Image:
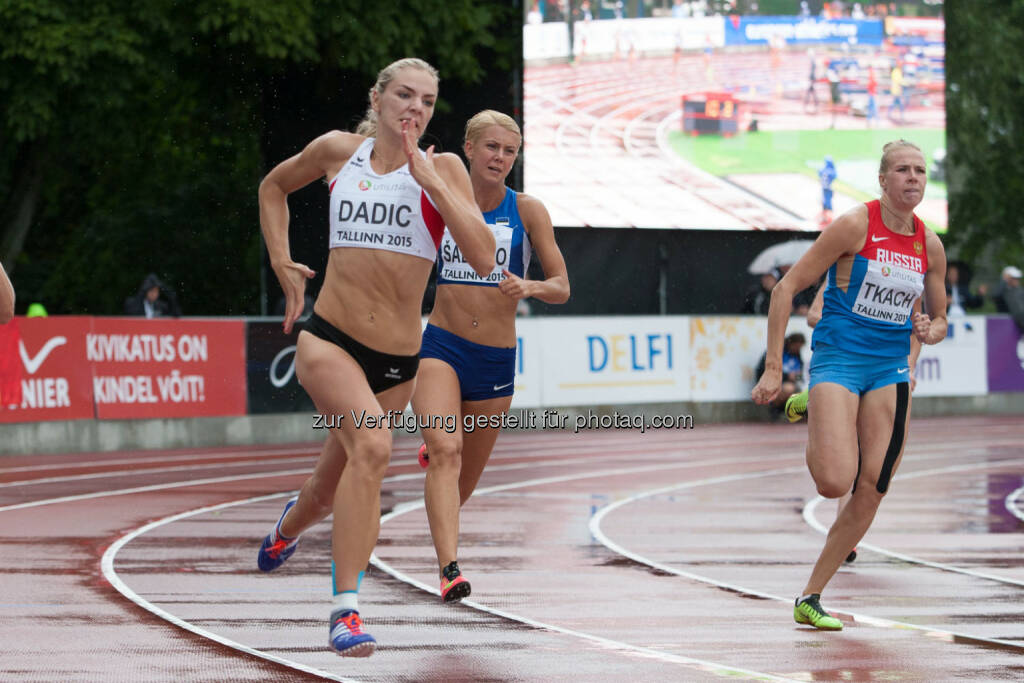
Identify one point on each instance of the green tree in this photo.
(133, 135)
(985, 122)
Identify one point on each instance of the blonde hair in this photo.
(483, 120)
(890, 149)
(368, 126)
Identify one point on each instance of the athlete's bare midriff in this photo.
(456, 307)
(375, 297)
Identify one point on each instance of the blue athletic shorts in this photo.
(858, 372)
(484, 371)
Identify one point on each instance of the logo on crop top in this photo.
(918, 248)
(886, 270)
(365, 185)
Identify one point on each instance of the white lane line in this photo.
(152, 487)
(1011, 503)
(595, 529)
(205, 455)
(110, 573)
(153, 470)
(704, 665)
(586, 452)
(812, 521)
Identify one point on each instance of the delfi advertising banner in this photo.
(529, 354)
(595, 360)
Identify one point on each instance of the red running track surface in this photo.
(669, 555)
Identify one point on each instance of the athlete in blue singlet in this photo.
(880, 259)
(358, 354)
(467, 363)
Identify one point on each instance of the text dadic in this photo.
(376, 213)
(172, 388)
(146, 348)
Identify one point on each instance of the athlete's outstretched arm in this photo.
(846, 235)
(327, 152)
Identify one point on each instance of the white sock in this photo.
(347, 600)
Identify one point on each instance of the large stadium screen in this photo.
(727, 122)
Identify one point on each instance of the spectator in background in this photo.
(792, 371)
(1009, 279)
(583, 12)
(679, 10)
(1014, 298)
(554, 11)
(758, 298)
(958, 293)
(6, 297)
(153, 300)
(534, 16)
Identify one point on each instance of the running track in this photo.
(598, 556)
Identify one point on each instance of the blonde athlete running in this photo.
(468, 358)
(880, 258)
(358, 354)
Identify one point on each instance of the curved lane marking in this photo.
(595, 529)
(812, 521)
(107, 565)
(110, 573)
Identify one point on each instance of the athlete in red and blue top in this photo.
(880, 258)
(869, 296)
(468, 359)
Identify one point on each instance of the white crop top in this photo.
(390, 212)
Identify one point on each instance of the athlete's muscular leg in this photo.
(832, 438)
(478, 444)
(439, 397)
(337, 385)
(881, 426)
(316, 498)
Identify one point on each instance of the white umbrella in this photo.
(778, 256)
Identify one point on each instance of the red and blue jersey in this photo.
(869, 296)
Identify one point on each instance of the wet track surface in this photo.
(596, 556)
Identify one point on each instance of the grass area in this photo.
(795, 151)
(855, 152)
